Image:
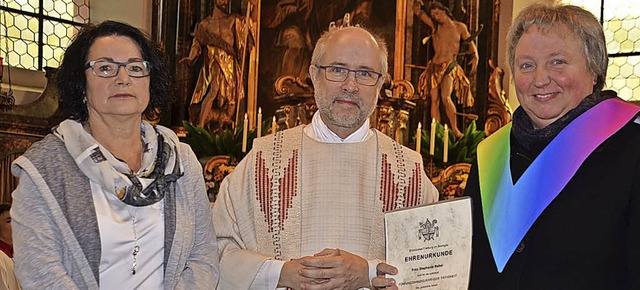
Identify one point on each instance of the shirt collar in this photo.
(320, 132)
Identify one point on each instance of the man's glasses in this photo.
(340, 74)
(108, 69)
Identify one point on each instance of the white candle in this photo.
(445, 154)
(274, 125)
(432, 137)
(259, 122)
(244, 133)
(418, 136)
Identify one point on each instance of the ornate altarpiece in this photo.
(279, 85)
(286, 30)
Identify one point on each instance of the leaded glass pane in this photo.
(621, 24)
(20, 40)
(57, 36)
(31, 6)
(72, 10)
(623, 76)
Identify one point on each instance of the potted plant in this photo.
(220, 152)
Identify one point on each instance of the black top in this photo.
(587, 238)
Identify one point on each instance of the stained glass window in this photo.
(36, 32)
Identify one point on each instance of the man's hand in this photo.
(381, 282)
(290, 275)
(335, 269)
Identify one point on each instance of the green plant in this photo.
(219, 152)
(463, 149)
(207, 144)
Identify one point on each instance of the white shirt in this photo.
(121, 228)
(320, 132)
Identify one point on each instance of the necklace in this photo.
(136, 246)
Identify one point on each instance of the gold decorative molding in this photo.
(400, 34)
(403, 89)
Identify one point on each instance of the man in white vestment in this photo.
(305, 208)
(8, 279)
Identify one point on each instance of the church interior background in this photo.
(270, 44)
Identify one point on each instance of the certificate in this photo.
(431, 245)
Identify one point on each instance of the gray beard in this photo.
(349, 121)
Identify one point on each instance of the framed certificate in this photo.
(431, 245)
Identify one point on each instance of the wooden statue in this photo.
(443, 76)
(219, 89)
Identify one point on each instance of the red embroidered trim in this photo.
(412, 190)
(263, 187)
(288, 188)
(389, 187)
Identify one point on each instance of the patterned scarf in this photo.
(160, 168)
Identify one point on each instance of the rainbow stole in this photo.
(510, 209)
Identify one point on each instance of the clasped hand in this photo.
(334, 269)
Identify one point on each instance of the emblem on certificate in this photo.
(431, 245)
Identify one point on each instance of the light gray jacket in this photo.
(55, 229)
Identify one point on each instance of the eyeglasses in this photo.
(108, 69)
(340, 74)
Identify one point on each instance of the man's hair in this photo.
(4, 207)
(437, 5)
(321, 45)
(580, 22)
(72, 81)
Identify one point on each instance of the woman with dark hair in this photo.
(108, 200)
